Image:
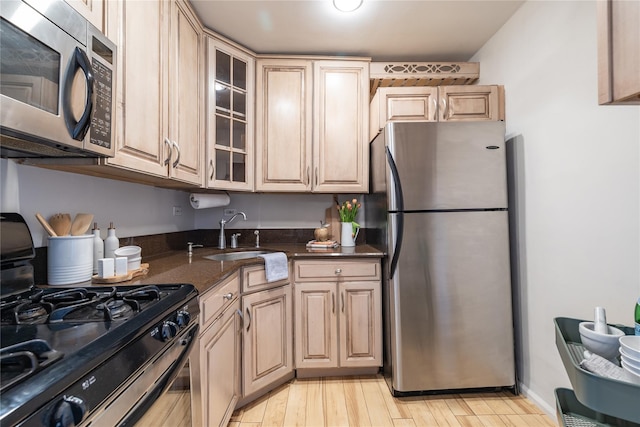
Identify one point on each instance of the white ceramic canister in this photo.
(69, 259)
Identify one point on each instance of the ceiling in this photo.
(385, 30)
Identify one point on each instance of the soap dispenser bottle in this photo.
(98, 247)
(111, 243)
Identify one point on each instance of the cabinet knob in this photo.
(338, 270)
(228, 296)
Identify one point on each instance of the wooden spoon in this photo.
(46, 225)
(61, 223)
(81, 224)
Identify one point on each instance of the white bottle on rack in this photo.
(98, 247)
(111, 243)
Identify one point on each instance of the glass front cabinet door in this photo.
(229, 117)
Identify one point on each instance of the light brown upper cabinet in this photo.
(230, 92)
(618, 52)
(436, 103)
(312, 125)
(158, 101)
(93, 10)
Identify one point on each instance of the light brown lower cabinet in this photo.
(215, 380)
(337, 315)
(267, 333)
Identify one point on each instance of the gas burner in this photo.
(32, 313)
(119, 309)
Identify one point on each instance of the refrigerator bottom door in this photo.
(450, 316)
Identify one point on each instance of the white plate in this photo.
(631, 345)
(631, 369)
(630, 357)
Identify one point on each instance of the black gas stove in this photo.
(90, 355)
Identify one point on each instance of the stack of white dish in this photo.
(69, 259)
(630, 354)
(133, 255)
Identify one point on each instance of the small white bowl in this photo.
(605, 345)
(129, 251)
(626, 354)
(631, 369)
(630, 362)
(631, 345)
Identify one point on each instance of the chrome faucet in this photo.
(222, 243)
(191, 246)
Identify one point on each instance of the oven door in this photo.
(141, 401)
(46, 82)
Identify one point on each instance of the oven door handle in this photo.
(78, 129)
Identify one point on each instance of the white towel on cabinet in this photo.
(276, 266)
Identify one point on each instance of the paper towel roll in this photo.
(204, 201)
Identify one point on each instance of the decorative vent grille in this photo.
(422, 68)
(403, 74)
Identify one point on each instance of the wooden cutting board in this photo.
(332, 218)
(144, 269)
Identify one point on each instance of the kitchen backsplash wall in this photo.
(275, 210)
(142, 210)
(133, 208)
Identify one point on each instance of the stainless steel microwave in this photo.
(57, 82)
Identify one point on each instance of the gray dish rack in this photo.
(595, 400)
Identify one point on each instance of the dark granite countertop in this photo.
(178, 267)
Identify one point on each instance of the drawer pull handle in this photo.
(338, 270)
(228, 296)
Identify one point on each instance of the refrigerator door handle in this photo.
(400, 212)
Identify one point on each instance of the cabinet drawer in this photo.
(214, 301)
(255, 279)
(333, 270)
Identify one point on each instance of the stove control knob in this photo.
(68, 412)
(183, 318)
(169, 330)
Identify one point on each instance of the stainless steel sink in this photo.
(234, 256)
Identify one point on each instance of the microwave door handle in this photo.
(78, 129)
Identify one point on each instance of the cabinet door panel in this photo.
(267, 336)
(220, 354)
(341, 105)
(360, 324)
(186, 95)
(316, 331)
(229, 117)
(283, 138)
(469, 103)
(141, 98)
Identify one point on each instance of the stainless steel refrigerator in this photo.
(438, 207)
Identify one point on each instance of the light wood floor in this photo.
(366, 401)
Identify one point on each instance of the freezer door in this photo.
(449, 312)
(449, 165)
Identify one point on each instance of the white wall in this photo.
(138, 210)
(134, 209)
(578, 181)
(275, 211)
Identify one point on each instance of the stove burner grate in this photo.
(77, 305)
(23, 359)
